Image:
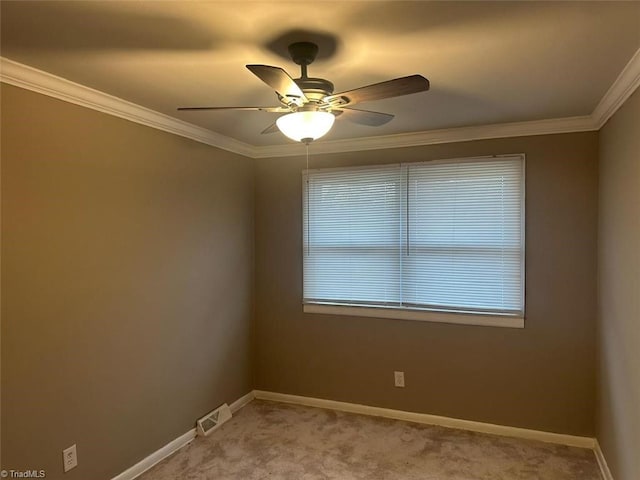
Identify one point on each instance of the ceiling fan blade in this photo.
(262, 109)
(273, 128)
(364, 117)
(279, 80)
(378, 91)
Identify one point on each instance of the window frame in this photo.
(415, 313)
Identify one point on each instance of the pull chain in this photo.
(308, 206)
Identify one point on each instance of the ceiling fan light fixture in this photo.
(305, 126)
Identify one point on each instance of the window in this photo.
(439, 240)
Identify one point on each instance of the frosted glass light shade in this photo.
(305, 125)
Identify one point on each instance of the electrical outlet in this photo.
(70, 458)
(399, 379)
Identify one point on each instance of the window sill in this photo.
(504, 321)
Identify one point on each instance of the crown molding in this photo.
(433, 137)
(38, 81)
(30, 78)
(620, 90)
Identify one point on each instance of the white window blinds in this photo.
(441, 235)
(352, 236)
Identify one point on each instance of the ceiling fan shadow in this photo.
(97, 26)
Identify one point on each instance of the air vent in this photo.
(213, 420)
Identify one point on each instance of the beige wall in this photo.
(127, 272)
(541, 377)
(618, 412)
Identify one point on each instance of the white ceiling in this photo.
(488, 62)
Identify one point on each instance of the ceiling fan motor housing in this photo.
(315, 88)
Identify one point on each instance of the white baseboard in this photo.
(602, 462)
(558, 438)
(157, 456)
(173, 446)
(242, 401)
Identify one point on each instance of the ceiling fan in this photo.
(309, 104)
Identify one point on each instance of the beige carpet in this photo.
(268, 440)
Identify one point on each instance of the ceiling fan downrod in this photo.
(303, 54)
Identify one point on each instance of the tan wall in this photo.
(127, 293)
(541, 377)
(127, 258)
(618, 412)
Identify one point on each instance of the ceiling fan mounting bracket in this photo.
(303, 53)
